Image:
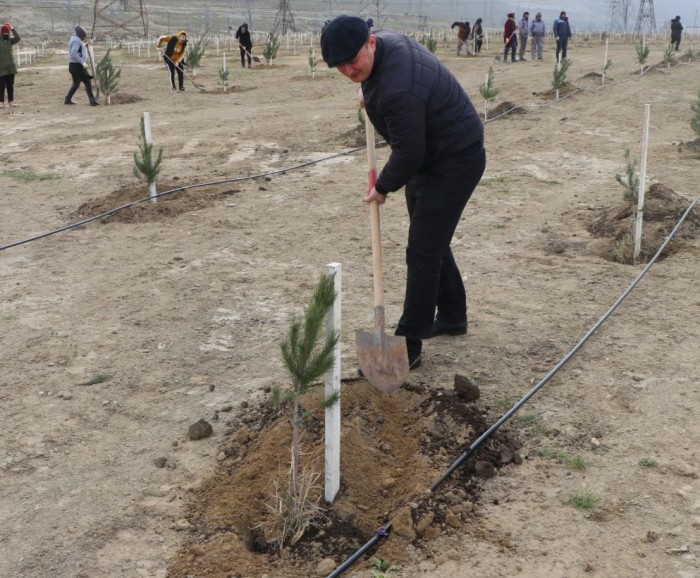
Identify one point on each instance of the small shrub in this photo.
(648, 463)
(429, 41)
(488, 92)
(608, 64)
(583, 499)
(559, 75)
(307, 354)
(669, 56)
(223, 77)
(630, 180)
(642, 55)
(194, 56)
(146, 166)
(695, 120)
(624, 249)
(271, 47)
(108, 76)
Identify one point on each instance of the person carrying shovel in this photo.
(245, 44)
(437, 154)
(77, 66)
(174, 55)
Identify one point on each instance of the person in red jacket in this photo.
(510, 41)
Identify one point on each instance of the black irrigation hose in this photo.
(171, 191)
(384, 530)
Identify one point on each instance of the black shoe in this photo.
(68, 102)
(443, 328)
(94, 103)
(182, 89)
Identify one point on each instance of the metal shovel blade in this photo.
(383, 358)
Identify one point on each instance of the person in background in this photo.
(463, 31)
(437, 154)
(8, 38)
(174, 56)
(676, 32)
(523, 30)
(510, 40)
(245, 43)
(537, 31)
(562, 33)
(477, 35)
(77, 66)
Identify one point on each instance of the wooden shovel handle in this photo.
(374, 215)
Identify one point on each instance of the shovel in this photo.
(197, 86)
(383, 358)
(255, 58)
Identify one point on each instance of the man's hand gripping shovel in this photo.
(383, 358)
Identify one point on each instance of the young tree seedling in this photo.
(147, 167)
(488, 92)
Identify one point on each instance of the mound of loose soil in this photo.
(124, 98)
(143, 210)
(568, 88)
(662, 210)
(355, 137)
(506, 108)
(393, 448)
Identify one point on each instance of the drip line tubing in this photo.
(384, 530)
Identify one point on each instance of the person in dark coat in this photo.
(8, 38)
(676, 32)
(245, 44)
(510, 40)
(77, 66)
(477, 35)
(437, 154)
(562, 33)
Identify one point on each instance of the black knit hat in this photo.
(342, 39)
(80, 32)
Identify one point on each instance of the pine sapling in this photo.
(488, 91)
(695, 120)
(669, 56)
(630, 181)
(194, 56)
(642, 55)
(559, 76)
(429, 41)
(223, 77)
(271, 47)
(307, 353)
(146, 167)
(108, 76)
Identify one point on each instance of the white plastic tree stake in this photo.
(332, 387)
(149, 141)
(642, 179)
(605, 61)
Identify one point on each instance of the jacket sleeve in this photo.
(404, 116)
(161, 40)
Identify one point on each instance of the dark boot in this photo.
(443, 328)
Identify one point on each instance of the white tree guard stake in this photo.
(605, 61)
(332, 387)
(642, 179)
(149, 141)
(217, 46)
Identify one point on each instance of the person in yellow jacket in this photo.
(174, 55)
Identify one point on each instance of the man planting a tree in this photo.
(437, 154)
(175, 47)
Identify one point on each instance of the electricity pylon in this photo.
(645, 16)
(129, 16)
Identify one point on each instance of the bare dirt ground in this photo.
(119, 334)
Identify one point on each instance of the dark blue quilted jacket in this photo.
(420, 109)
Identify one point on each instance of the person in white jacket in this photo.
(537, 32)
